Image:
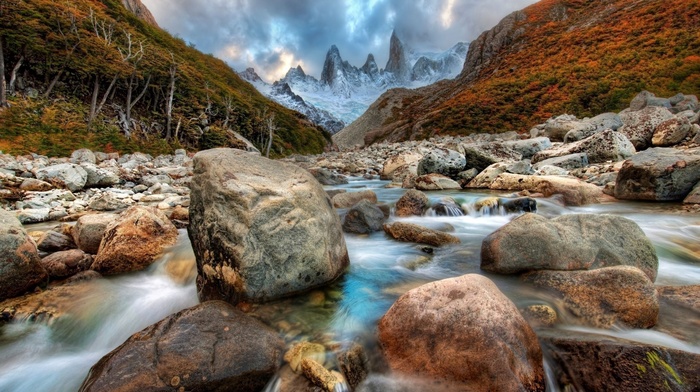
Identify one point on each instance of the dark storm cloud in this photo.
(273, 35)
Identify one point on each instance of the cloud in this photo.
(273, 35)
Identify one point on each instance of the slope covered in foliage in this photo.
(558, 56)
(89, 73)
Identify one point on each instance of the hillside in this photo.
(556, 56)
(95, 74)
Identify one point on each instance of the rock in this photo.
(640, 125)
(549, 170)
(518, 205)
(68, 175)
(405, 172)
(151, 180)
(409, 232)
(493, 349)
(180, 213)
(66, 263)
(694, 195)
(34, 185)
(568, 162)
(689, 102)
(488, 176)
(557, 128)
(349, 199)
(20, 265)
(302, 350)
(363, 218)
(521, 167)
(261, 229)
(435, 182)
(318, 375)
(53, 241)
(233, 352)
(671, 132)
(447, 206)
(532, 242)
(89, 230)
(134, 241)
(591, 362)
(603, 298)
(539, 316)
(639, 102)
(603, 146)
(34, 215)
(481, 156)
(413, 202)
(442, 161)
(661, 174)
(326, 177)
(596, 124)
(98, 177)
(354, 365)
(107, 202)
(396, 161)
(685, 296)
(83, 155)
(574, 191)
(529, 147)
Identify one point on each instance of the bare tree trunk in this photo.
(129, 103)
(169, 107)
(3, 91)
(270, 122)
(93, 103)
(13, 75)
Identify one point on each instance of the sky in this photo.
(274, 35)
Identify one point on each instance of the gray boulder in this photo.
(363, 218)
(83, 155)
(327, 177)
(607, 145)
(20, 265)
(568, 162)
(488, 176)
(481, 156)
(640, 125)
(442, 161)
(647, 99)
(435, 182)
(209, 347)
(529, 147)
(89, 230)
(660, 174)
(557, 128)
(261, 229)
(532, 242)
(71, 176)
(596, 124)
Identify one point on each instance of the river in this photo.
(56, 356)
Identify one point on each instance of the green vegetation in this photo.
(91, 74)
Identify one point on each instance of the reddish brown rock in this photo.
(408, 232)
(413, 202)
(349, 199)
(66, 263)
(20, 265)
(462, 330)
(134, 241)
(89, 229)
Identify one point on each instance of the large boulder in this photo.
(671, 132)
(66, 263)
(532, 242)
(413, 202)
(595, 363)
(89, 230)
(481, 156)
(442, 161)
(529, 147)
(349, 199)
(363, 218)
(68, 175)
(409, 232)
(435, 182)
(488, 176)
(209, 347)
(83, 155)
(593, 125)
(134, 241)
(98, 177)
(605, 297)
(574, 191)
(607, 145)
(568, 162)
(463, 331)
(661, 174)
(327, 177)
(640, 125)
(20, 265)
(394, 162)
(261, 229)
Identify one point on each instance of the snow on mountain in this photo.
(347, 91)
(281, 93)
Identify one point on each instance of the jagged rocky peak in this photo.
(370, 67)
(140, 10)
(250, 75)
(331, 66)
(398, 62)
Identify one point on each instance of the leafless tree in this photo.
(171, 94)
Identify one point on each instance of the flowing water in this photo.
(56, 355)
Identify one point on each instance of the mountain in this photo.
(347, 91)
(103, 75)
(282, 93)
(555, 56)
